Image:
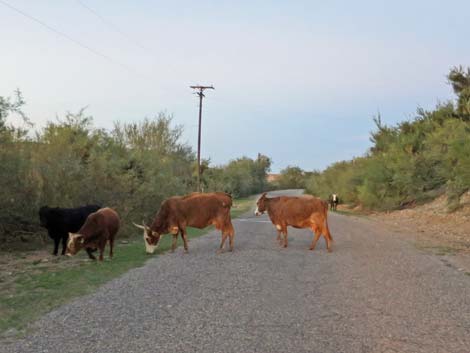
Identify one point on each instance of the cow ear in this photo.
(263, 195)
(79, 238)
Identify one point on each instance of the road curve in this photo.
(375, 293)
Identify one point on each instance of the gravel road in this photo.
(375, 293)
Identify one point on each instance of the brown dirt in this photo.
(17, 263)
(434, 225)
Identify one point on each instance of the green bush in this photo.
(291, 177)
(409, 162)
(240, 177)
(131, 168)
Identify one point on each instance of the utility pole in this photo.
(200, 93)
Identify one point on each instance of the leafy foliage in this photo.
(291, 177)
(409, 162)
(131, 168)
(240, 177)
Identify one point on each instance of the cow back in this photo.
(65, 219)
(293, 209)
(195, 210)
(100, 223)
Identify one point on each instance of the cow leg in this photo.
(328, 241)
(222, 243)
(185, 239)
(232, 240)
(315, 239)
(101, 252)
(328, 244)
(175, 241)
(90, 253)
(231, 233)
(56, 246)
(64, 244)
(284, 230)
(111, 244)
(280, 234)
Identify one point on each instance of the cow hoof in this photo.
(330, 251)
(311, 248)
(220, 251)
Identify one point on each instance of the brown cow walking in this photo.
(198, 210)
(99, 228)
(299, 212)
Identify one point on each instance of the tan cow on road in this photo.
(299, 212)
(198, 210)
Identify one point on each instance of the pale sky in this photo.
(298, 81)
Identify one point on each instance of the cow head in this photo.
(43, 216)
(261, 205)
(74, 244)
(151, 238)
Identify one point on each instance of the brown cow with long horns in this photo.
(299, 212)
(198, 210)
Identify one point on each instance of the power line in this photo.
(111, 25)
(66, 36)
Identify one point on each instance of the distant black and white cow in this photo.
(60, 221)
(334, 200)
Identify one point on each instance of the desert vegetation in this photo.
(410, 162)
(131, 168)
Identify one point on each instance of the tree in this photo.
(459, 78)
(292, 177)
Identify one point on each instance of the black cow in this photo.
(60, 221)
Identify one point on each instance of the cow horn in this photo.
(145, 225)
(139, 226)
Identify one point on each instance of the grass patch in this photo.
(242, 205)
(440, 250)
(350, 213)
(37, 290)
